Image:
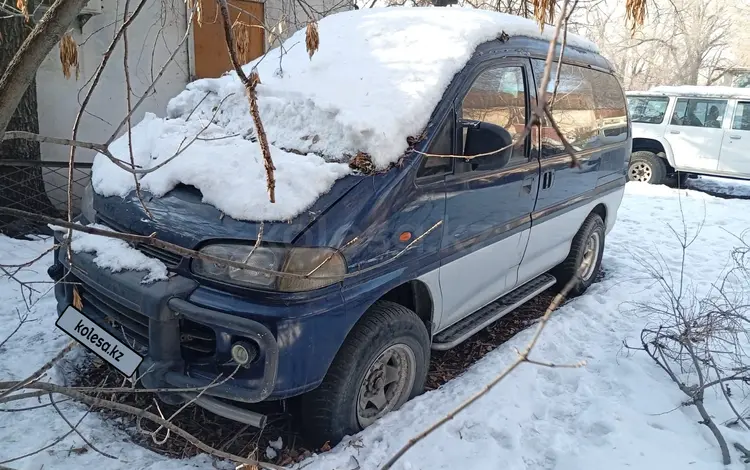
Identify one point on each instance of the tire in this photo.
(331, 411)
(646, 167)
(592, 231)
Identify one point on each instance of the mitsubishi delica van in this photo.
(415, 257)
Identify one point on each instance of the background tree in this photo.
(20, 187)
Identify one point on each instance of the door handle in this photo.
(528, 182)
(674, 132)
(548, 178)
(735, 137)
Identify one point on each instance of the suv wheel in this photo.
(588, 245)
(382, 364)
(646, 167)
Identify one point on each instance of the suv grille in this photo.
(125, 323)
(197, 341)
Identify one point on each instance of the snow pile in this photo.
(116, 255)
(702, 90)
(375, 81)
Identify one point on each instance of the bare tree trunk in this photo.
(21, 187)
(20, 72)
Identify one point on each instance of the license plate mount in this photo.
(99, 341)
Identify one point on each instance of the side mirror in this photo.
(483, 137)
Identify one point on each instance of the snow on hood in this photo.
(374, 81)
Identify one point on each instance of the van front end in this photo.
(194, 336)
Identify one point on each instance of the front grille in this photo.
(170, 259)
(167, 257)
(125, 323)
(196, 341)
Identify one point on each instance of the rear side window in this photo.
(497, 96)
(574, 110)
(648, 109)
(611, 111)
(741, 121)
(699, 113)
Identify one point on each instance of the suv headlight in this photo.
(326, 264)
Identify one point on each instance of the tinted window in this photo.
(611, 111)
(442, 144)
(648, 109)
(699, 113)
(741, 121)
(574, 110)
(498, 96)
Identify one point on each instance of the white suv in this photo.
(685, 130)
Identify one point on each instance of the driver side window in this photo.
(497, 101)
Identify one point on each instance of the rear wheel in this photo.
(382, 364)
(646, 167)
(587, 248)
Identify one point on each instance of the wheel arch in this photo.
(416, 296)
(655, 145)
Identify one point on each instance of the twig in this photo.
(29, 408)
(96, 402)
(153, 83)
(54, 443)
(22, 319)
(35, 376)
(177, 249)
(75, 429)
(128, 89)
(84, 104)
(250, 85)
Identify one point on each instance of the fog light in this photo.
(244, 353)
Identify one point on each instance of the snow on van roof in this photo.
(375, 81)
(713, 91)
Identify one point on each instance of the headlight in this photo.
(326, 265)
(87, 203)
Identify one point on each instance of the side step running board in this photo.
(464, 329)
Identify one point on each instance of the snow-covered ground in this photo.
(618, 412)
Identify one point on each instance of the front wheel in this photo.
(382, 364)
(646, 167)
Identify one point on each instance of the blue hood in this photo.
(182, 218)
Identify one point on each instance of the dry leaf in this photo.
(312, 39)
(69, 55)
(77, 300)
(23, 7)
(241, 32)
(325, 447)
(254, 78)
(636, 11)
(541, 10)
(198, 6)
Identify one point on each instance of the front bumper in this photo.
(158, 321)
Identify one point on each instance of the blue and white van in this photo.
(484, 235)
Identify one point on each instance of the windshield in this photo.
(648, 109)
